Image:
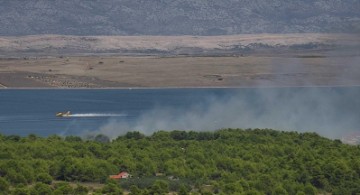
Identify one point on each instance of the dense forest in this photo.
(227, 161)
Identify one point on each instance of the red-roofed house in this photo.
(122, 175)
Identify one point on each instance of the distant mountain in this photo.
(177, 17)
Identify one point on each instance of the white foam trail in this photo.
(97, 115)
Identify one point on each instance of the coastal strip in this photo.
(2, 86)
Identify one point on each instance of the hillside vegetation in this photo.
(227, 161)
(177, 17)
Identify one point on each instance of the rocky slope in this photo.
(177, 17)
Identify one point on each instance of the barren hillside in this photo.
(177, 17)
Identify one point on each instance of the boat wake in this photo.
(97, 115)
(76, 116)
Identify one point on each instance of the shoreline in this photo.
(143, 62)
(3, 86)
(180, 72)
(179, 87)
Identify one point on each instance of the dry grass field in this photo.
(47, 43)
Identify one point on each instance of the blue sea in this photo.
(329, 111)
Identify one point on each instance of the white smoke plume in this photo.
(328, 111)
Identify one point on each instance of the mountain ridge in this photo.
(178, 17)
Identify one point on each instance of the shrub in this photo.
(44, 178)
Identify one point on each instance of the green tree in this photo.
(102, 138)
(265, 183)
(232, 188)
(183, 190)
(178, 135)
(300, 193)
(20, 191)
(159, 187)
(279, 190)
(4, 185)
(253, 192)
(13, 138)
(72, 138)
(41, 189)
(63, 188)
(309, 189)
(32, 137)
(44, 178)
(161, 135)
(15, 177)
(54, 138)
(80, 190)
(134, 135)
(112, 187)
(134, 190)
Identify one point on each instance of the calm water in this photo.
(317, 109)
